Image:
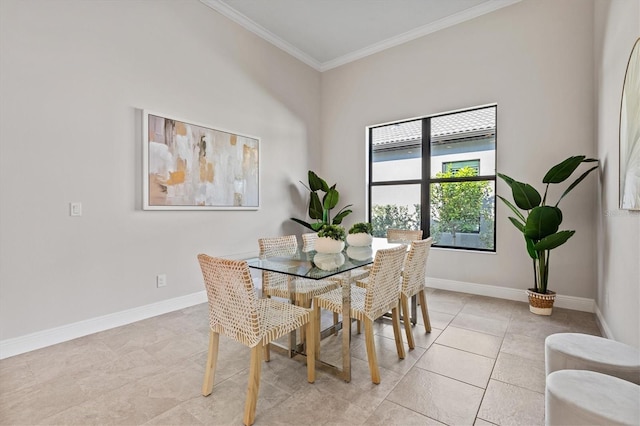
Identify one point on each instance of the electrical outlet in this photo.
(161, 280)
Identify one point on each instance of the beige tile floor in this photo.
(482, 364)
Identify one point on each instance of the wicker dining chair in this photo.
(403, 235)
(274, 284)
(381, 295)
(309, 241)
(236, 312)
(413, 282)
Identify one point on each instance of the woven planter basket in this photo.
(541, 304)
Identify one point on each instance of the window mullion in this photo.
(425, 199)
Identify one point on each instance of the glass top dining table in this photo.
(317, 266)
(313, 265)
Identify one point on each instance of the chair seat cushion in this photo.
(279, 318)
(332, 301)
(351, 277)
(303, 289)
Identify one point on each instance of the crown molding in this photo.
(262, 32)
(438, 25)
(432, 27)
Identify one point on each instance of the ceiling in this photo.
(328, 33)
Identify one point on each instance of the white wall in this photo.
(535, 59)
(618, 297)
(73, 73)
(72, 76)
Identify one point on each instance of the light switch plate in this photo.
(161, 280)
(75, 209)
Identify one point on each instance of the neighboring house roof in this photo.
(445, 127)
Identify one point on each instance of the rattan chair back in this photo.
(403, 235)
(415, 267)
(233, 307)
(272, 247)
(309, 241)
(383, 289)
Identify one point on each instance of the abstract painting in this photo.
(189, 166)
(630, 134)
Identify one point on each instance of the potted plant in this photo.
(360, 234)
(539, 223)
(319, 210)
(330, 239)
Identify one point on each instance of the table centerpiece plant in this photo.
(360, 234)
(539, 223)
(330, 239)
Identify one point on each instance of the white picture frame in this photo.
(630, 133)
(192, 166)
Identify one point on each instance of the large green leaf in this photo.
(513, 208)
(525, 196)
(518, 224)
(337, 220)
(315, 206)
(317, 183)
(576, 182)
(554, 240)
(317, 226)
(506, 178)
(303, 223)
(530, 248)
(542, 221)
(559, 212)
(330, 199)
(560, 172)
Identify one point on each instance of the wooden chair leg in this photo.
(254, 385)
(404, 302)
(267, 352)
(358, 326)
(395, 319)
(316, 330)
(425, 311)
(371, 351)
(336, 320)
(311, 347)
(303, 330)
(212, 360)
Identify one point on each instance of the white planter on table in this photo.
(361, 239)
(329, 245)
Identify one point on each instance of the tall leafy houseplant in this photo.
(539, 223)
(320, 210)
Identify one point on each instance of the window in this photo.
(438, 174)
(454, 166)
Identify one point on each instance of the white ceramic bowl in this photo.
(361, 239)
(329, 245)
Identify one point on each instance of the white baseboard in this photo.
(568, 302)
(41, 339)
(52, 336)
(604, 327)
